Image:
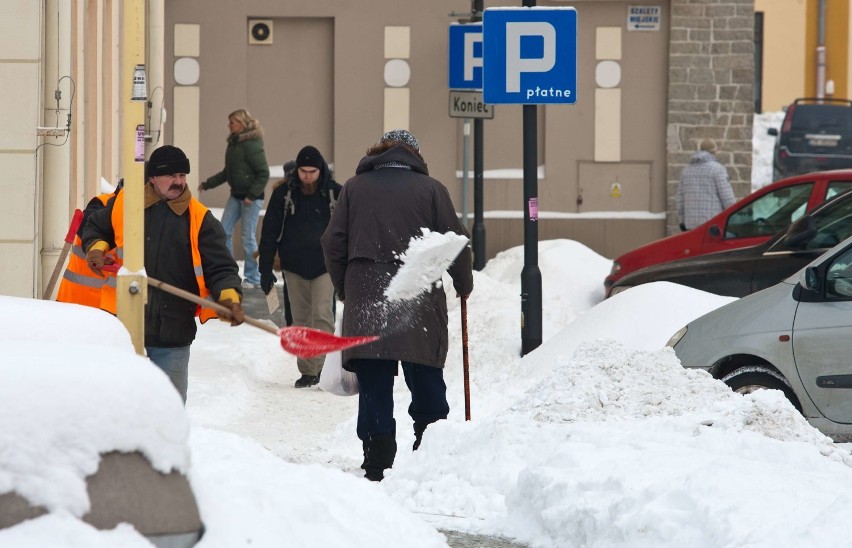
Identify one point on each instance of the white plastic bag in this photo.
(334, 378)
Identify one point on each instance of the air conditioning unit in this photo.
(260, 31)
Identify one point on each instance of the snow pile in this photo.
(762, 148)
(606, 381)
(64, 404)
(423, 263)
(248, 496)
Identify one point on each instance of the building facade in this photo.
(336, 75)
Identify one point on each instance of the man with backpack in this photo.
(296, 218)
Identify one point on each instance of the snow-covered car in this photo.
(91, 434)
(793, 336)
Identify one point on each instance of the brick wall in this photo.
(711, 81)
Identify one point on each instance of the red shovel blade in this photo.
(306, 342)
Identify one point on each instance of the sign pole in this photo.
(531, 305)
(478, 232)
(465, 158)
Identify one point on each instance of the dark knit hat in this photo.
(166, 160)
(309, 157)
(401, 136)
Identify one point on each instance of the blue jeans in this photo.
(175, 363)
(236, 210)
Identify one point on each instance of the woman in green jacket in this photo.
(247, 173)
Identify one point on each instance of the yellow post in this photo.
(131, 288)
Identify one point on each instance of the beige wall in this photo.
(20, 72)
(784, 28)
(622, 131)
(633, 144)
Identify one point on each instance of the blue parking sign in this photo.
(465, 56)
(529, 55)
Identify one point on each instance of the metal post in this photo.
(465, 158)
(478, 232)
(530, 275)
(820, 52)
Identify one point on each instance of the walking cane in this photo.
(60, 262)
(465, 361)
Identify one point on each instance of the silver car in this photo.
(795, 336)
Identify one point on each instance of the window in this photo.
(834, 224)
(839, 277)
(771, 213)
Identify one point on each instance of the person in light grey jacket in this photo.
(704, 189)
(387, 203)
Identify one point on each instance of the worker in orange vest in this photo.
(184, 247)
(79, 283)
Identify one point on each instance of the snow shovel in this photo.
(465, 362)
(60, 262)
(302, 342)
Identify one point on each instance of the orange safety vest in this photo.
(79, 284)
(196, 216)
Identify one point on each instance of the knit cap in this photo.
(401, 136)
(167, 160)
(309, 157)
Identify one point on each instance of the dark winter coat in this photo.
(379, 211)
(246, 170)
(170, 320)
(294, 230)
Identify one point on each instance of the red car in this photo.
(751, 221)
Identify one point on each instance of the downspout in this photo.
(820, 51)
(154, 115)
(53, 182)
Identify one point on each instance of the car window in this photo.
(834, 224)
(839, 277)
(837, 187)
(771, 213)
(815, 117)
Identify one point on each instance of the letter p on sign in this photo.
(515, 64)
(529, 55)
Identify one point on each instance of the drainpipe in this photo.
(53, 183)
(156, 79)
(820, 51)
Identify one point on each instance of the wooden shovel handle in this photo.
(207, 303)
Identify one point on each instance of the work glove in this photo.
(266, 282)
(96, 259)
(236, 316)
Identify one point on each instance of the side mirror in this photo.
(809, 279)
(714, 231)
(772, 131)
(800, 232)
(808, 289)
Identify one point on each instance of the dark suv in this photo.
(816, 136)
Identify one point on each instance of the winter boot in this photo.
(379, 453)
(419, 428)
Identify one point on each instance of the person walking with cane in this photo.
(389, 201)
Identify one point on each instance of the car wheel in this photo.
(746, 380)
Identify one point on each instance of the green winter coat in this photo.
(246, 170)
